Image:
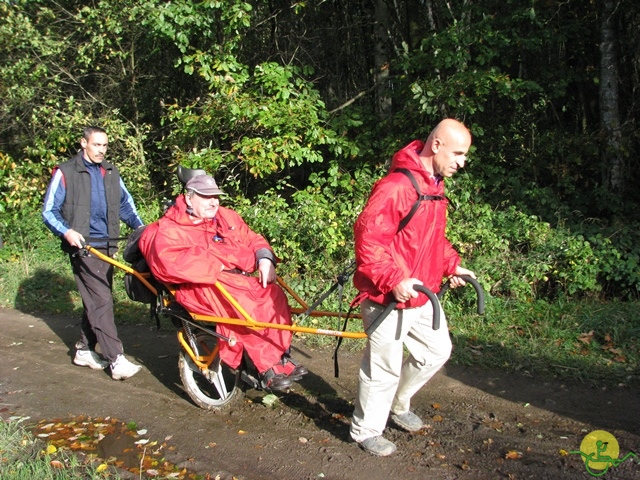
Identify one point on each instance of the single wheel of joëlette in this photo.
(215, 389)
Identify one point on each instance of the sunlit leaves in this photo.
(265, 122)
(92, 437)
(466, 75)
(196, 26)
(65, 69)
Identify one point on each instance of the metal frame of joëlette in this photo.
(246, 319)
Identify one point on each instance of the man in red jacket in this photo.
(392, 256)
(198, 243)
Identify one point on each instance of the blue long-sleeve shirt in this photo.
(56, 193)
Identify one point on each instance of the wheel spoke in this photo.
(217, 378)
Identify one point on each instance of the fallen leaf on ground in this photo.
(513, 455)
(586, 338)
(269, 400)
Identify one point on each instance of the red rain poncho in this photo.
(191, 256)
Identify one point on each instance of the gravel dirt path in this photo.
(480, 424)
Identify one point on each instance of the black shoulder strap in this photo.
(421, 198)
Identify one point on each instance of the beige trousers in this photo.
(387, 380)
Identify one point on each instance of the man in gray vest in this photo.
(85, 202)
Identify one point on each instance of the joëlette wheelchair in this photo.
(210, 383)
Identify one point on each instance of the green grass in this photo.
(41, 281)
(593, 342)
(590, 341)
(24, 457)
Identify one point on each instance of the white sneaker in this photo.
(122, 368)
(408, 421)
(89, 358)
(378, 446)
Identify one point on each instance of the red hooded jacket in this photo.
(192, 257)
(420, 250)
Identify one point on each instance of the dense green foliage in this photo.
(297, 108)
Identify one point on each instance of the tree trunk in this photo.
(612, 158)
(381, 59)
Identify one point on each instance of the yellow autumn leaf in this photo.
(513, 455)
(51, 449)
(101, 468)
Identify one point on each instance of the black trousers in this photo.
(94, 278)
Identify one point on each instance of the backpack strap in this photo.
(421, 198)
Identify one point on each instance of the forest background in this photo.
(297, 107)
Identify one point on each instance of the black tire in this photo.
(219, 388)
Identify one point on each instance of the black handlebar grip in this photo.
(392, 305)
(434, 301)
(476, 286)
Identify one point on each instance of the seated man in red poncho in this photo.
(197, 243)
